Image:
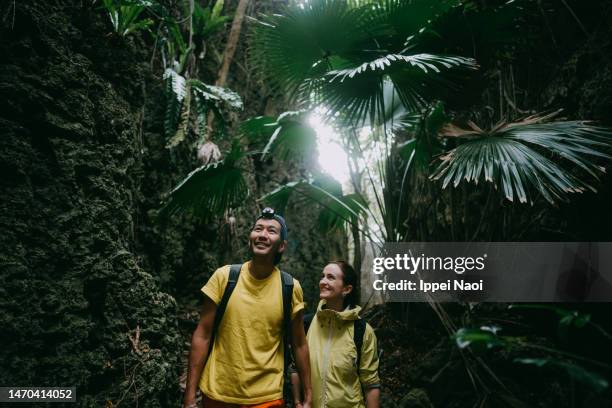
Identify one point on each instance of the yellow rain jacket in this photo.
(336, 382)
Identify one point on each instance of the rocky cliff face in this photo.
(77, 308)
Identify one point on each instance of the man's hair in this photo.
(349, 277)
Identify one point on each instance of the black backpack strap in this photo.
(359, 327)
(234, 274)
(287, 288)
(307, 320)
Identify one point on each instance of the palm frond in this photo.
(419, 151)
(337, 214)
(405, 21)
(288, 136)
(258, 130)
(417, 79)
(550, 158)
(303, 43)
(302, 51)
(210, 189)
(336, 209)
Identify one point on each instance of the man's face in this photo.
(265, 238)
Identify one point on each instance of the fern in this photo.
(175, 93)
(180, 93)
(216, 95)
(183, 126)
(201, 111)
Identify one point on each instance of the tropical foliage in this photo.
(124, 15)
(189, 101)
(519, 157)
(379, 84)
(387, 75)
(579, 368)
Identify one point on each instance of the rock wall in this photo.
(77, 308)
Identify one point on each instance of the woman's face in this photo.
(331, 285)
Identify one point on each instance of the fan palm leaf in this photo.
(337, 210)
(303, 43)
(416, 79)
(287, 136)
(302, 52)
(210, 189)
(550, 158)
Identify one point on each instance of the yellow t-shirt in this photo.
(246, 364)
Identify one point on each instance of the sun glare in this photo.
(332, 157)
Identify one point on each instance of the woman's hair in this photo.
(349, 277)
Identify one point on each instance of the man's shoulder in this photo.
(295, 281)
(225, 269)
(220, 276)
(221, 272)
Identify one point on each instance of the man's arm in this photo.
(302, 356)
(200, 344)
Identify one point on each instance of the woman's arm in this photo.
(372, 397)
(296, 388)
(368, 369)
(302, 356)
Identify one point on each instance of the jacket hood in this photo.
(346, 314)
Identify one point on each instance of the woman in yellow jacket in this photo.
(337, 382)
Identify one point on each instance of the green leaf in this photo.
(303, 42)
(578, 373)
(338, 213)
(336, 209)
(124, 15)
(217, 9)
(217, 95)
(181, 94)
(258, 128)
(183, 125)
(484, 337)
(419, 151)
(210, 189)
(290, 139)
(175, 93)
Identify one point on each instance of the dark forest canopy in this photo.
(140, 138)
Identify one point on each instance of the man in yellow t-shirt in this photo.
(246, 363)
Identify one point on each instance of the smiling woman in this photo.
(342, 345)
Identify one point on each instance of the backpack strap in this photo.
(359, 327)
(234, 274)
(287, 290)
(307, 321)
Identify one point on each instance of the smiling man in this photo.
(251, 312)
